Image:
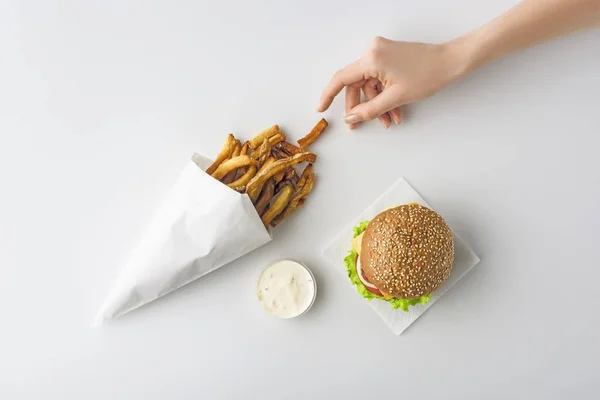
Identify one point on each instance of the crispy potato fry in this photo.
(289, 148)
(244, 179)
(230, 177)
(232, 165)
(313, 134)
(279, 176)
(296, 201)
(265, 197)
(278, 152)
(269, 161)
(245, 148)
(308, 170)
(267, 133)
(290, 176)
(278, 138)
(255, 185)
(278, 204)
(262, 153)
(225, 153)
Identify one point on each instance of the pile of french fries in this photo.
(265, 169)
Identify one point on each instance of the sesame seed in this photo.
(409, 251)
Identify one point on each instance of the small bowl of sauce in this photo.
(286, 289)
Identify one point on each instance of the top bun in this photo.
(407, 251)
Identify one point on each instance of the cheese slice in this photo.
(357, 246)
(357, 243)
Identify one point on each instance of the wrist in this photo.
(464, 56)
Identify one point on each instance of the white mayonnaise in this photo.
(286, 289)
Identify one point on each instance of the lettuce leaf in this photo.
(350, 263)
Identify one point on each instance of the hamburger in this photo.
(401, 256)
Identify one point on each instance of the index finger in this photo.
(346, 76)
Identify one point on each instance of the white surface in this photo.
(99, 103)
(201, 225)
(399, 193)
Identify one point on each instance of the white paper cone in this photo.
(201, 226)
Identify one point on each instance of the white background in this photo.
(101, 104)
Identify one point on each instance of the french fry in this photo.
(278, 138)
(244, 179)
(289, 148)
(265, 197)
(232, 165)
(278, 205)
(262, 153)
(296, 201)
(308, 170)
(278, 152)
(269, 161)
(225, 153)
(290, 176)
(230, 177)
(255, 185)
(245, 148)
(313, 134)
(267, 133)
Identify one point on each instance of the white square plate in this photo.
(399, 193)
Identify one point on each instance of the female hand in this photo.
(391, 74)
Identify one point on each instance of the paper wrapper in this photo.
(202, 225)
(399, 193)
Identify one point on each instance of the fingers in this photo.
(352, 100)
(344, 77)
(387, 100)
(370, 90)
(396, 114)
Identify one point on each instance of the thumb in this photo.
(390, 98)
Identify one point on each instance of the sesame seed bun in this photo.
(407, 251)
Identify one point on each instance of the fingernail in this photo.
(384, 124)
(351, 119)
(396, 120)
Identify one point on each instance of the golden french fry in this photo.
(265, 197)
(297, 199)
(278, 138)
(244, 179)
(262, 153)
(289, 148)
(313, 134)
(255, 185)
(278, 204)
(245, 148)
(308, 170)
(232, 165)
(269, 161)
(230, 177)
(225, 153)
(267, 133)
(290, 176)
